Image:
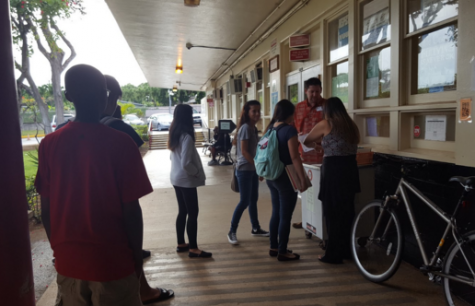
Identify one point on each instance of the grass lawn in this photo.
(32, 133)
(30, 167)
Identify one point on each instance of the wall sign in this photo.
(299, 40)
(299, 55)
(417, 131)
(274, 64)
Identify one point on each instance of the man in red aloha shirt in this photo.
(307, 114)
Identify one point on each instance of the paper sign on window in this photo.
(436, 127)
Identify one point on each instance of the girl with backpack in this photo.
(283, 195)
(186, 175)
(339, 181)
(248, 180)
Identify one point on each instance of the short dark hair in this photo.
(313, 82)
(113, 85)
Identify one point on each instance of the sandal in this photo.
(273, 253)
(165, 294)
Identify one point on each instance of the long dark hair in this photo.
(282, 111)
(182, 124)
(244, 118)
(340, 122)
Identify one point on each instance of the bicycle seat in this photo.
(467, 182)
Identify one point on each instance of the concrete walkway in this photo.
(245, 274)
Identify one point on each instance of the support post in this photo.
(16, 274)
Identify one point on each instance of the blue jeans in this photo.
(284, 199)
(249, 191)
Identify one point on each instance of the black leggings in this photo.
(187, 206)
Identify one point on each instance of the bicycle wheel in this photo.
(457, 293)
(377, 257)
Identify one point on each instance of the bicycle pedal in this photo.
(427, 269)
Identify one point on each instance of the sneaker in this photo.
(232, 238)
(260, 233)
(213, 163)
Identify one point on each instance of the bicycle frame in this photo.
(402, 192)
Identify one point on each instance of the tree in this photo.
(20, 30)
(41, 15)
(157, 96)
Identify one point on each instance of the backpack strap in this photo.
(108, 120)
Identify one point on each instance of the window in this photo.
(338, 37)
(432, 41)
(435, 54)
(377, 126)
(425, 13)
(294, 93)
(376, 25)
(339, 75)
(377, 73)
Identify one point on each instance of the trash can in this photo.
(312, 213)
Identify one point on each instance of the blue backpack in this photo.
(267, 159)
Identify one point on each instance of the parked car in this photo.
(160, 121)
(133, 119)
(197, 117)
(66, 118)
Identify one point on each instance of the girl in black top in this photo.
(283, 195)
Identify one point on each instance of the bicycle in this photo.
(377, 242)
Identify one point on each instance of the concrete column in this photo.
(16, 274)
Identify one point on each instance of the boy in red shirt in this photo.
(90, 178)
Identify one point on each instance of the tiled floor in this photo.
(245, 274)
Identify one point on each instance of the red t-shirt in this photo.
(304, 120)
(88, 170)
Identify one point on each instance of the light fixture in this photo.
(175, 88)
(190, 45)
(192, 2)
(179, 69)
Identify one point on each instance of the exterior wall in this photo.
(401, 108)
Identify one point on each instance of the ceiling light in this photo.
(192, 2)
(179, 69)
(175, 88)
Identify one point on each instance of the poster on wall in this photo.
(436, 127)
(343, 31)
(376, 22)
(372, 77)
(466, 110)
(274, 100)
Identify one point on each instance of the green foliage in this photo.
(142, 130)
(129, 108)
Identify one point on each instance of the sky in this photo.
(98, 41)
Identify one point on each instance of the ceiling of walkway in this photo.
(157, 31)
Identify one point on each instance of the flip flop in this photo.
(165, 294)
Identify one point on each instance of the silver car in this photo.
(161, 121)
(66, 118)
(133, 119)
